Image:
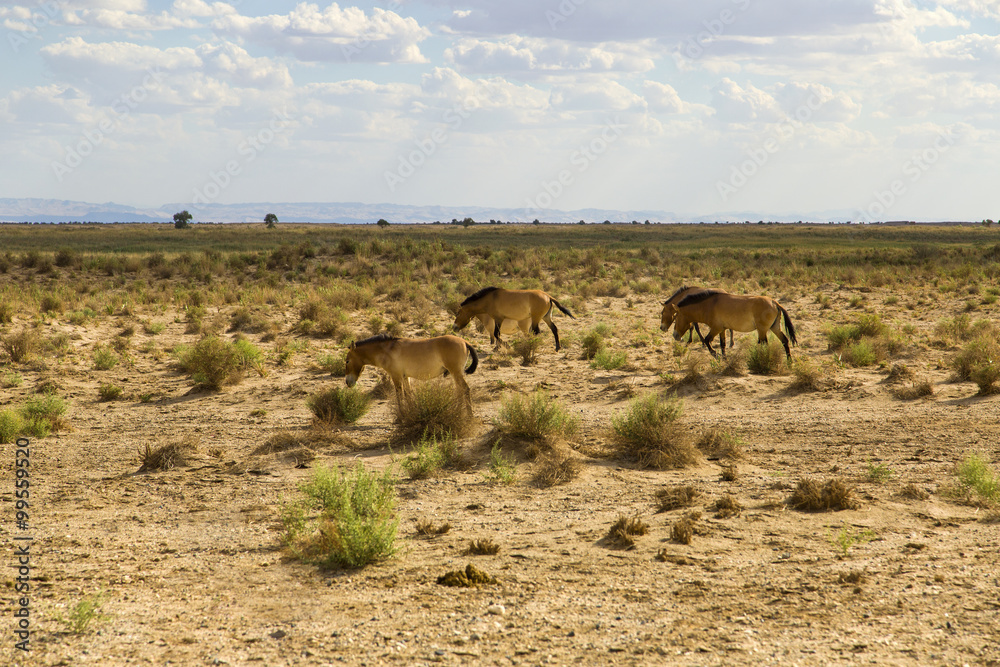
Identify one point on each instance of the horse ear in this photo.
(352, 346)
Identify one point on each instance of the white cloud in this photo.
(332, 34)
(525, 55)
(736, 104)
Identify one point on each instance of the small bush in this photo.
(334, 364)
(435, 411)
(44, 414)
(483, 547)
(105, 359)
(721, 444)
(727, 506)
(347, 518)
(527, 349)
(109, 392)
(766, 359)
(811, 496)
(537, 418)
(21, 346)
(684, 528)
(978, 480)
(556, 468)
(592, 343)
(608, 360)
(622, 532)
(11, 426)
(979, 361)
(806, 375)
(211, 363)
(430, 455)
(171, 455)
(502, 468)
(83, 614)
(339, 405)
(676, 497)
(648, 434)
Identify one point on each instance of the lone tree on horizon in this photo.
(270, 220)
(382, 222)
(182, 219)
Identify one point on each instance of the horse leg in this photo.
(496, 334)
(776, 328)
(707, 340)
(722, 342)
(463, 392)
(552, 326)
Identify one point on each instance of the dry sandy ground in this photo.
(193, 572)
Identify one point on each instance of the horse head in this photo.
(682, 323)
(667, 316)
(353, 366)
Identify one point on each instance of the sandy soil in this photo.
(193, 572)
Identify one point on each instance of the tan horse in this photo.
(423, 359)
(507, 326)
(732, 311)
(667, 316)
(510, 304)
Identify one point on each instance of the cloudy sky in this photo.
(885, 108)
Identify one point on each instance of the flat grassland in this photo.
(892, 388)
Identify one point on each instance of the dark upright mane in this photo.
(674, 295)
(380, 338)
(697, 297)
(479, 295)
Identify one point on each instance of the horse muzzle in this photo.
(350, 380)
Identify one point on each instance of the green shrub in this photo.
(537, 417)
(21, 346)
(647, 433)
(347, 519)
(527, 349)
(502, 468)
(11, 426)
(109, 392)
(43, 414)
(430, 455)
(214, 363)
(105, 359)
(334, 364)
(766, 359)
(608, 360)
(978, 480)
(592, 343)
(339, 405)
(979, 361)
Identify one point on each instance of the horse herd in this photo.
(503, 310)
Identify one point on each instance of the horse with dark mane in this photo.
(510, 304)
(722, 311)
(423, 359)
(667, 315)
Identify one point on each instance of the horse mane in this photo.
(380, 338)
(674, 295)
(479, 295)
(697, 297)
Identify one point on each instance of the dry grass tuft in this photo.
(428, 529)
(812, 496)
(719, 444)
(684, 528)
(914, 391)
(471, 577)
(676, 497)
(483, 547)
(647, 433)
(434, 412)
(913, 492)
(726, 507)
(556, 468)
(621, 532)
(171, 455)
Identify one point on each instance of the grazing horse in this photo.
(507, 326)
(510, 304)
(423, 359)
(732, 311)
(667, 316)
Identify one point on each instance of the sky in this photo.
(883, 109)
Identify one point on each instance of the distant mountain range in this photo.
(55, 210)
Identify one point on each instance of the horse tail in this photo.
(789, 327)
(475, 360)
(560, 307)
